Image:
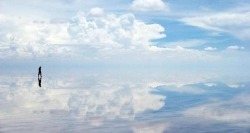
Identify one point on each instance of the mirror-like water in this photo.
(139, 103)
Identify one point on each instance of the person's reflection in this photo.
(40, 76)
(40, 81)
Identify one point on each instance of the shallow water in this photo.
(124, 102)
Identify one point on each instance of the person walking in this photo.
(40, 71)
(40, 76)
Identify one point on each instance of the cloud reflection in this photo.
(235, 110)
(152, 103)
(102, 101)
(155, 127)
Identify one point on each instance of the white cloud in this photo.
(235, 47)
(96, 11)
(210, 84)
(108, 38)
(149, 5)
(236, 23)
(185, 43)
(31, 38)
(236, 85)
(94, 29)
(178, 87)
(210, 49)
(110, 31)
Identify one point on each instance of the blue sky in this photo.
(155, 55)
(125, 33)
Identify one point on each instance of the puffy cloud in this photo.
(149, 5)
(95, 29)
(92, 37)
(31, 39)
(235, 23)
(210, 49)
(96, 11)
(111, 31)
(235, 47)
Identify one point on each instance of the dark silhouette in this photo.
(40, 71)
(40, 76)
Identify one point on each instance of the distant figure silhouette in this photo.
(40, 71)
(40, 76)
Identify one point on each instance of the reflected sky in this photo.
(121, 102)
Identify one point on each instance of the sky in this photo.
(192, 34)
(194, 49)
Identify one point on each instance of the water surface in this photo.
(139, 102)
